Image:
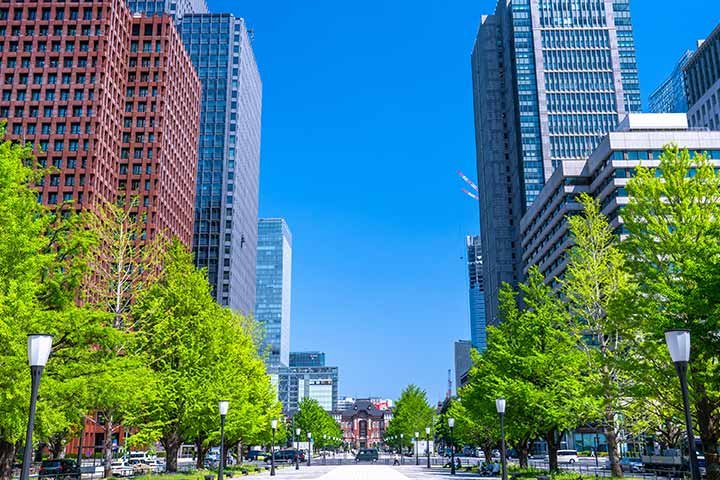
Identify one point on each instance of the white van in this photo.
(567, 456)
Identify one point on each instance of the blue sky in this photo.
(367, 115)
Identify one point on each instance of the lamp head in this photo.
(678, 343)
(39, 347)
(309, 435)
(297, 432)
(500, 405)
(223, 406)
(273, 424)
(451, 422)
(427, 430)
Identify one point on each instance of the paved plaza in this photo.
(366, 472)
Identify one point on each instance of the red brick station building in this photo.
(363, 425)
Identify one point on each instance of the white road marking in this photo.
(364, 472)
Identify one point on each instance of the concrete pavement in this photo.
(367, 472)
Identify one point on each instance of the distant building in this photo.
(463, 362)
(702, 82)
(172, 7)
(274, 282)
(549, 80)
(319, 383)
(478, 327)
(639, 140)
(670, 96)
(344, 403)
(363, 424)
(307, 359)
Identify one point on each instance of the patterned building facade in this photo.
(549, 80)
(702, 83)
(101, 95)
(670, 95)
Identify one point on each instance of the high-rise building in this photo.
(274, 277)
(670, 96)
(226, 206)
(478, 333)
(463, 362)
(110, 100)
(548, 83)
(702, 83)
(175, 8)
(639, 140)
(319, 383)
(307, 359)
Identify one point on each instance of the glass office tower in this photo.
(549, 80)
(226, 206)
(176, 8)
(670, 95)
(274, 281)
(478, 334)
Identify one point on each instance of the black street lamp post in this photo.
(500, 406)
(273, 425)
(297, 450)
(402, 456)
(417, 448)
(223, 406)
(324, 447)
(427, 445)
(39, 347)
(678, 343)
(451, 424)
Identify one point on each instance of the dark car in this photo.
(288, 455)
(367, 455)
(257, 455)
(61, 469)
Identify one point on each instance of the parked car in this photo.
(257, 455)
(567, 456)
(630, 464)
(367, 455)
(120, 469)
(63, 468)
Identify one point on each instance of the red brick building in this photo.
(364, 424)
(110, 100)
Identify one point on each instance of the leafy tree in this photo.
(601, 298)
(312, 418)
(412, 414)
(673, 248)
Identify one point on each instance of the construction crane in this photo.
(470, 194)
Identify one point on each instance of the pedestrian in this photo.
(396, 459)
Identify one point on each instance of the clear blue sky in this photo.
(367, 114)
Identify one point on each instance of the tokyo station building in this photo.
(111, 103)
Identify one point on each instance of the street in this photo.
(366, 472)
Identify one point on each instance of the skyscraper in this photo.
(307, 359)
(110, 100)
(476, 290)
(307, 377)
(702, 83)
(670, 95)
(549, 80)
(274, 276)
(226, 206)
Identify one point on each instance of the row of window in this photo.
(575, 39)
(563, 81)
(582, 123)
(581, 102)
(577, 59)
(46, 112)
(50, 13)
(57, 31)
(47, 129)
(50, 78)
(54, 62)
(54, 46)
(50, 95)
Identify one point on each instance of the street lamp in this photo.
(500, 406)
(402, 457)
(324, 447)
(427, 444)
(451, 424)
(417, 448)
(39, 346)
(678, 343)
(297, 450)
(309, 437)
(273, 425)
(223, 406)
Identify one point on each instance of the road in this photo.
(365, 472)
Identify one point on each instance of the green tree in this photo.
(602, 302)
(412, 414)
(312, 418)
(673, 248)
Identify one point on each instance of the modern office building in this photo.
(548, 83)
(319, 383)
(639, 140)
(463, 362)
(226, 206)
(476, 291)
(702, 83)
(670, 96)
(177, 9)
(274, 282)
(110, 100)
(307, 359)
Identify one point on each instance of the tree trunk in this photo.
(553, 445)
(239, 449)
(200, 452)
(708, 434)
(613, 446)
(7, 457)
(172, 443)
(487, 451)
(107, 446)
(523, 452)
(56, 447)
